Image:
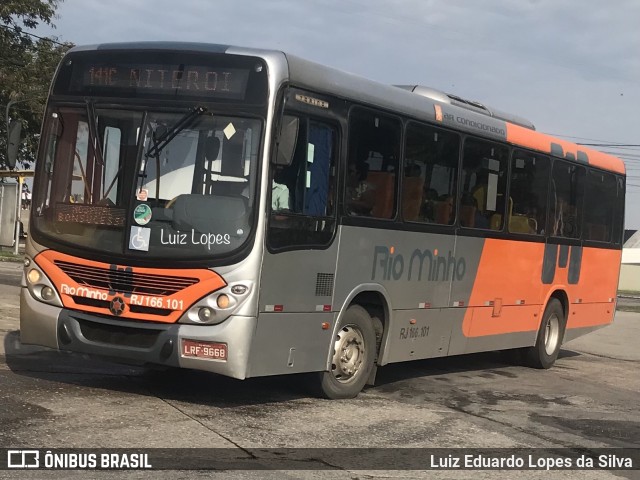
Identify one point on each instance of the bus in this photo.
(248, 213)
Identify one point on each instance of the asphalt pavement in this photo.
(588, 400)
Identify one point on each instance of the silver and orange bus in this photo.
(251, 213)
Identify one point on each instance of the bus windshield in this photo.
(147, 183)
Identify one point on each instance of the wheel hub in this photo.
(349, 354)
(551, 334)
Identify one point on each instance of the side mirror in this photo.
(13, 142)
(287, 140)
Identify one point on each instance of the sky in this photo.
(572, 67)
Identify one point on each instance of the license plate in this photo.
(207, 350)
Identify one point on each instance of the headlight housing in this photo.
(218, 306)
(39, 285)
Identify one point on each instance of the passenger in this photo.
(279, 197)
(279, 194)
(429, 205)
(360, 193)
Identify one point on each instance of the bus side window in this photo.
(484, 172)
(600, 205)
(309, 177)
(374, 150)
(566, 200)
(302, 194)
(618, 220)
(430, 180)
(528, 193)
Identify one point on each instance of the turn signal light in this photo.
(223, 301)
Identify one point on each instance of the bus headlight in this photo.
(205, 314)
(33, 276)
(39, 285)
(218, 306)
(47, 293)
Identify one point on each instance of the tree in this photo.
(27, 65)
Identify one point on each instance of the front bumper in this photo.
(134, 341)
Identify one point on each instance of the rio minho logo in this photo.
(422, 265)
(23, 459)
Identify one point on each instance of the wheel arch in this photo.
(539, 354)
(561, 295)
(375, 299)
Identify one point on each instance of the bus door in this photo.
(296, 286)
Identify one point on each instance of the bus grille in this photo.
(124, 280)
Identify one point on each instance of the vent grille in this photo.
(124, 280)
(117, 335)
(324, 284)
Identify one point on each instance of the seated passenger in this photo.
(279, 197)
(279, 193)
(429, 205)
(360, 193)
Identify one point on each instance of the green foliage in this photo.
(27, 65)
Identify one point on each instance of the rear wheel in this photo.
(353, 354)
(545, 352)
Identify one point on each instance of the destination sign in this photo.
(174, 79)
(163, 75)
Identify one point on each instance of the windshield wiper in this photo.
(94, 136)
(159, 143)
(92, 121)
(166, 137)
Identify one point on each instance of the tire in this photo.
(353, 354)
(549, 340)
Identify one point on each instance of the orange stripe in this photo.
(507, 271)
(539, 141)
(590, 315)
(510, 270)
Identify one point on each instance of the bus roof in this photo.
(517, 131)
(434, 108)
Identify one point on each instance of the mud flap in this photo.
(372, 375)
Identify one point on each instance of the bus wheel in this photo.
(353, 355)
(550, 335)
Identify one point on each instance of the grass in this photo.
(7, 256)
(628, 308)
(629, 293)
